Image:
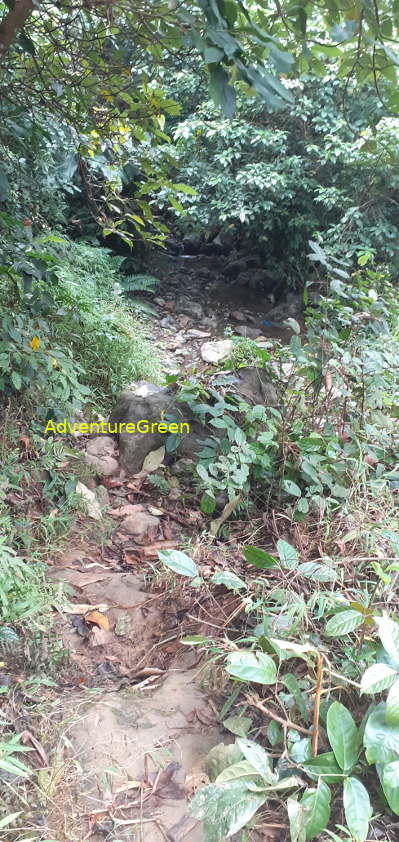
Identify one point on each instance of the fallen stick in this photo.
(286, 723)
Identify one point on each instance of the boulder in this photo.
(256, 386)
(146, 402)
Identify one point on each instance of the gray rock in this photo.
(256, 387)
(214, 352)
(183, 467)
(249, 332)
(101, 454)
(147, 402)
(189, 308)
(139, 523)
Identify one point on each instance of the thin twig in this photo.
(286, 723)
(316, 712)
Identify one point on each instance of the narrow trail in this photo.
(144, 718)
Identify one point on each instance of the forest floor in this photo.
(136, 712)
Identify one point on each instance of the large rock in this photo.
(150, 403)
(255, 386)
(147, 402)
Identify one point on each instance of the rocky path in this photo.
(142, 723)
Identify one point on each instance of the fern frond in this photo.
(139, 283)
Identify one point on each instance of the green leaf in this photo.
(317, 804)
(380, 739)
(378, 678)
(297, 819)
(316, 571)
(343, 623)
(16, 380)
(238, 725)
(259, 558)
(9, 819)
(357, 808)
(252, 666)
(178, 562)
(388, 774)
(343, 736)
(392, 708)
(257, 757)
(221, 92)
(226, 808)
(324, 766)
(194, 640)
(287, 554)
(291, 488)
(388, 631)
(228, 579)
(238, 771)
(207, 503)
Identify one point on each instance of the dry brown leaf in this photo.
(98, 619)
(29, 740)
(153, 460)
(83, 608)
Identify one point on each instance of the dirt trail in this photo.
(141, 738)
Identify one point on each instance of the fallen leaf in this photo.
(157, 512)
(122, 511)
(29, 740)
(227, 511)
(153, 460)
(83, 608)
(89, 497)
(98, 619)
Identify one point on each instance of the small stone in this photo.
(238, 315)
(160, 301)
(197, 334)
(167, 321)
(101, 454)
(214, 352)
(139, 523)
(248, 332)
(190, 308)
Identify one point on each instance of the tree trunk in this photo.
(12, 22)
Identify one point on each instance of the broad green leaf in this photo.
(357, 808)
(300, 650)
(238, 771)
(229, 580)
(297, 819)
(238, 725)
(388, 631)
(324, 766)
(380, 740)
(252, 666)
(343, 623)
(343, 736)
(16, 380)
(388, 774)
(178, 562)
(392, 708)
(317, 804)
(226, 808)
(259, 558)
(378, 678)
(318, 572)
(287, 554)
(291, 488)
(221, 92)
(301, 750)
(257, 757)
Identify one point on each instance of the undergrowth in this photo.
(311, 651)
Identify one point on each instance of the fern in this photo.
(139, 283)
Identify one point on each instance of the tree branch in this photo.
(12, 22)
